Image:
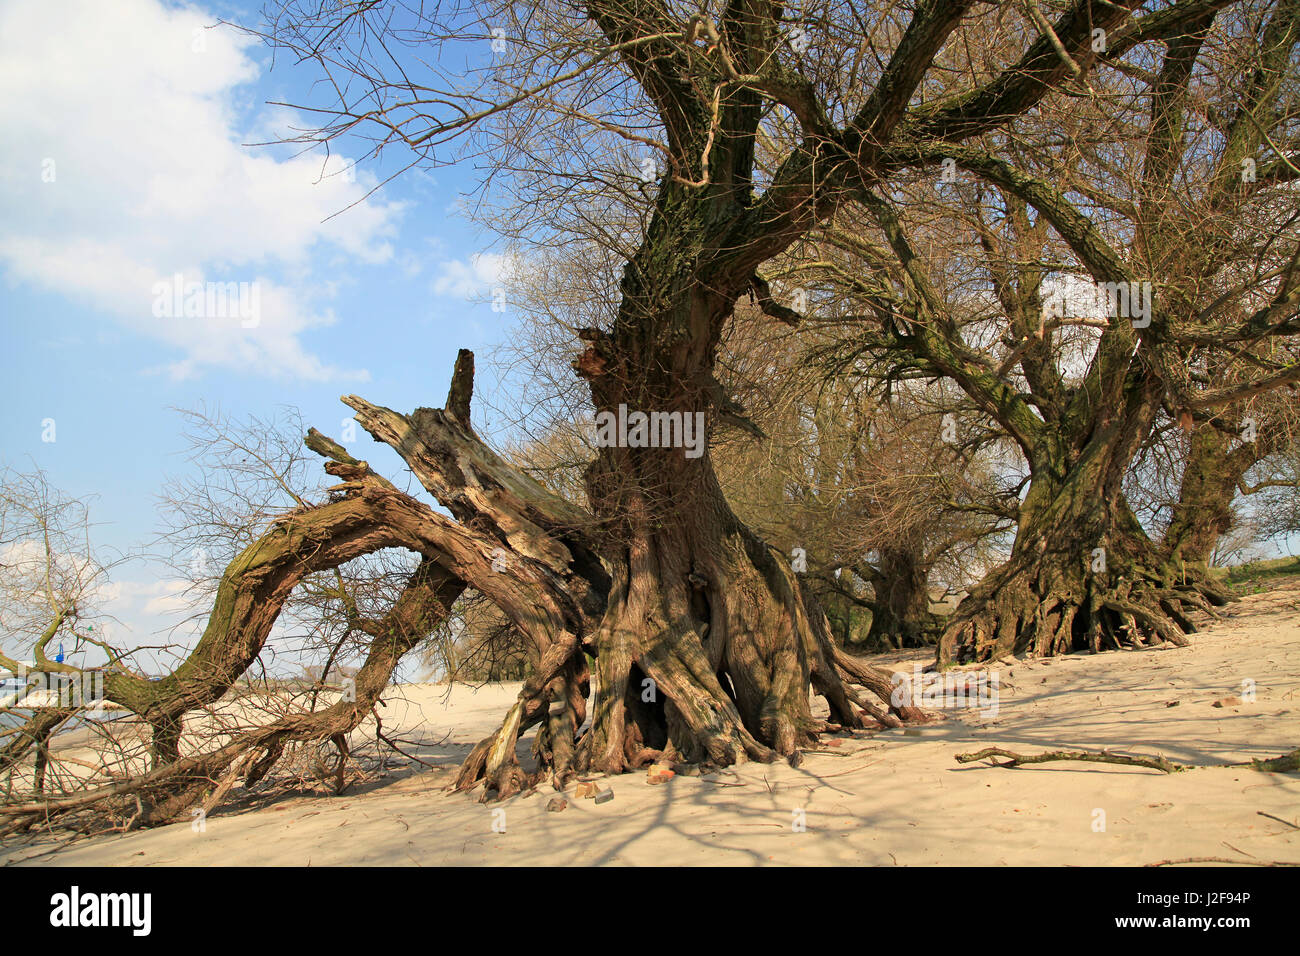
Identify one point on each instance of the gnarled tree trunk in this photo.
(1211, 475)
(705, 643)
(1083, 575)
(900, 614)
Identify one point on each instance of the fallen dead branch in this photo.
(1283, 764)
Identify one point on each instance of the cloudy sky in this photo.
(123, 166)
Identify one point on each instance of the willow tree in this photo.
(1171, 194)
(1223, 449)
(705, 642)
(1204, 223)
(866, 485)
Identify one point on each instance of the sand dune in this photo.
(893, 797)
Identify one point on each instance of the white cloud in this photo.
(132, 108)
(476, 277)
(173, 600)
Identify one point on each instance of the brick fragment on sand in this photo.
(658, 773)
(605, 796)
(556, 804)
(586, 791)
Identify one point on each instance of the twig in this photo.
(842, 773)
(1221, 859)
(385, 739)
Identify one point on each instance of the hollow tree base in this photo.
(712, 669)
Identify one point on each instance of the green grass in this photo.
(1258, 576)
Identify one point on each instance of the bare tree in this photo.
(694, 601)
(656, 579)
(1184, 217)
(873, 488)
(53, 585)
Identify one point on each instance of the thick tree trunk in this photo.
(704, 641)
(716, 621)
(1083, 575)
(705, 645)
(901, 611)
(709, 647)
(1216, 463)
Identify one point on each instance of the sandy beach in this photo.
(889, 797)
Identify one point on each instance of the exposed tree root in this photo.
(881, 684)
(1079, 598)
(705, 644)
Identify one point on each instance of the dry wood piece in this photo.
(1285, 763)
(1015, 760)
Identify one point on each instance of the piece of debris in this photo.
(1227, 702)
(556, 804)
(586, 791)
(605, 796)
(1172, 703)
(659, 773)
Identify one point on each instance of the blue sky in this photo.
(123, 164)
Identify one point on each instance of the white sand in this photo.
(892, 797)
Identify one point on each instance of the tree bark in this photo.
(1217, 461)
(901, 610)
(1083, 575)
(705, 644)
